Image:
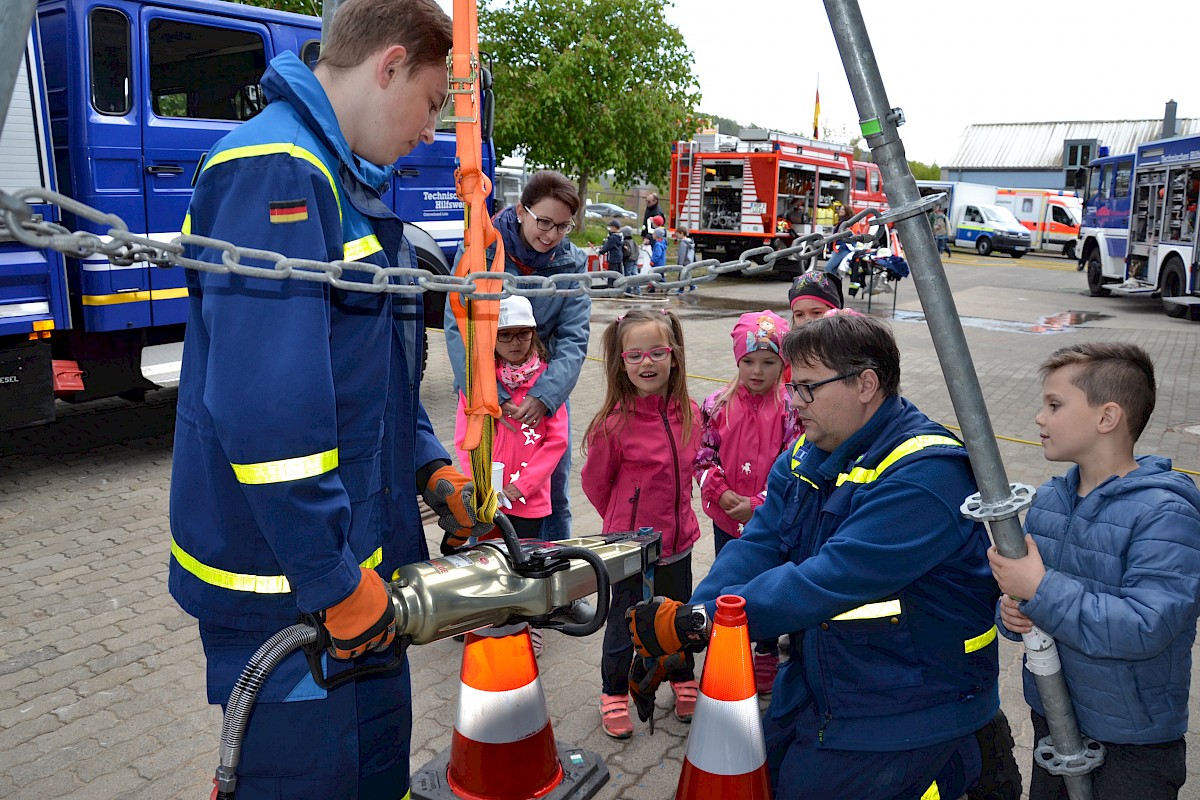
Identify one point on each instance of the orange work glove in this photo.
(363, 621)
(452, 497)
(661, 627)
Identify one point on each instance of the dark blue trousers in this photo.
(350, 743)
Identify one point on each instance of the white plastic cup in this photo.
(498, 483)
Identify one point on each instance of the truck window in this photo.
(110, 59)
(1059, 215)
(310, 52)
(205, 72)
(1027, 205)
(860, 179)
(1121, 182)
(876, 187)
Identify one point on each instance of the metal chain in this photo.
(123, 248)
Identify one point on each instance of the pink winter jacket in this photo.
(529, 455)
(638, 472)
(739, 441)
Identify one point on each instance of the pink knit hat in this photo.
(758, 330)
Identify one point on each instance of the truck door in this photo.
(201, 80)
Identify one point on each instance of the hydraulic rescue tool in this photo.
(497, 582)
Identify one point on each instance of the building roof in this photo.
(1039, 145)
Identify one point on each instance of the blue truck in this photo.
(116, 105)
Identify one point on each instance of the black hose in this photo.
(602, 594)
(509, 534)
(241, 700)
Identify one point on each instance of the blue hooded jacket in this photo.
(300, 430)
(863, 557)
(1120, 596)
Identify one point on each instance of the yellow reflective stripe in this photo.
(361, 248)
(287, 469)
(187, 224)
(981, 641)
(906, 448)
(886, 608)
(932, 793)
(168, 294)
(238, 582)
(114, 299)
(810, 483)
(289, 148)
(796, 449)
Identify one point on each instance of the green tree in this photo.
(589, 87)
(309, 7)
(925, 172)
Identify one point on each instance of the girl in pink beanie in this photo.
(744, 427)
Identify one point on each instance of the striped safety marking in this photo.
(501, 717)
(133, 297)
(730, 740)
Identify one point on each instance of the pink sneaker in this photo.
(685, 699)
(614, 715)
(766, 666)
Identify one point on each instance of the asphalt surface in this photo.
(101, 675)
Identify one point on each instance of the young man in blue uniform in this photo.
(301, 442)
(861, 556)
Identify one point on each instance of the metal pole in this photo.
(998, 502)
(15, 23)
(328, 7)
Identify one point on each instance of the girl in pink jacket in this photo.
(639, 449)
(744, 428)
(528, 453)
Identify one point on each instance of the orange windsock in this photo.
(502, 747)
(726, 752)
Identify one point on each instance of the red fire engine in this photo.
(761, 187)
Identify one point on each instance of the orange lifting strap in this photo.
(476, 319)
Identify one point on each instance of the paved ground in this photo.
(101, 678)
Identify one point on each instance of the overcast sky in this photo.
(947, 64)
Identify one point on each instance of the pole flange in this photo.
(1068, 766)
(909, 210)
(1020, 498)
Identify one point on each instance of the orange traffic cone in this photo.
(503, 747)
(726, 752)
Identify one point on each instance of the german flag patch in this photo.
(289, 210)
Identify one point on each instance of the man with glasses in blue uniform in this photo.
(861, 556)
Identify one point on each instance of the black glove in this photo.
(661, 626)
(645, 676)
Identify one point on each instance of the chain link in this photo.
(123, 248)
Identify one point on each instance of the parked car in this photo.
(609, 211)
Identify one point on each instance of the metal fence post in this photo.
(998, 502)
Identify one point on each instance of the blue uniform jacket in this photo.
(563, 325)
(1120, 597)
(300, 428)
(862, 556)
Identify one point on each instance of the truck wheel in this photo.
(1069, 250)
(984, 245)
(1173, 285)
(1095, 274)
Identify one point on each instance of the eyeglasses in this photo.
(507, 337)
(633, 357)
(547, 224)
(804, 391)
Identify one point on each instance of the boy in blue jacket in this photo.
(1112, 573)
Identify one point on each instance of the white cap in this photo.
(516, 312)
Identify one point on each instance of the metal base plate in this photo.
(584, 772)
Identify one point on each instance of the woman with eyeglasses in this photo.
(534, 232)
